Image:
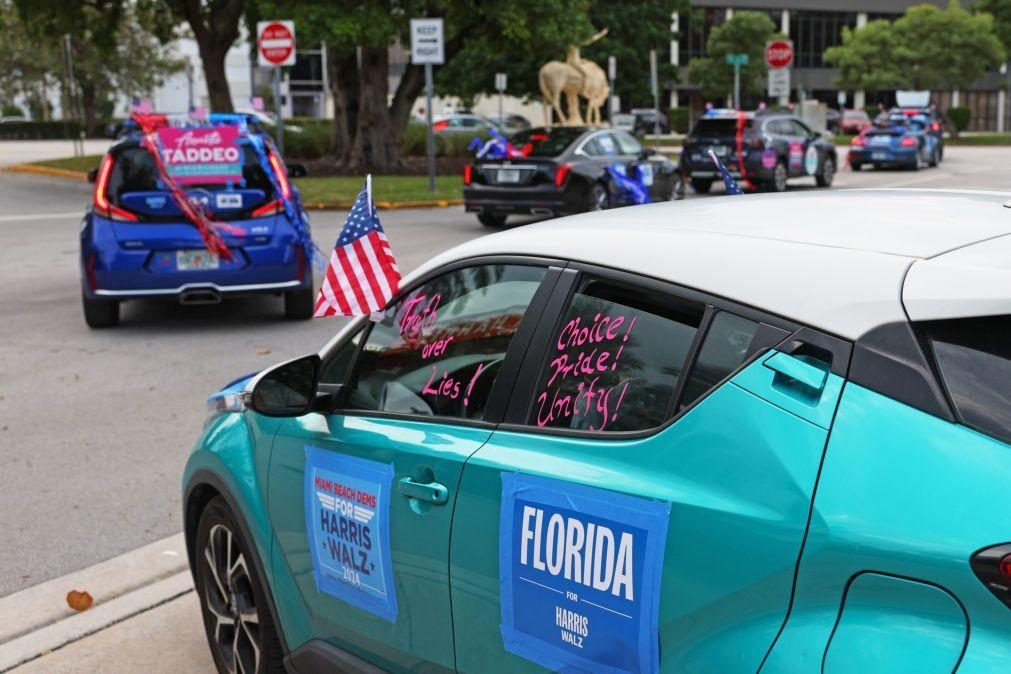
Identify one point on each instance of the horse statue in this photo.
(573, 77)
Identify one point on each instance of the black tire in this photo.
(299, 304)
(237, 620)
(824, 179)
(934, 159)
(702, 185)
(779, 178)
(677, 188)
(856, 166)
(598, 199)
(100, 313)
(492, 220)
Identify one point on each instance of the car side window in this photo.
(724, 348)
(627, 143)
(592, 148)
(615, 361)
(335, 368)
(974, 359)
(608, 146)
(438, 350)
(799, 129)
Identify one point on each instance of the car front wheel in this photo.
(492, 220)
(677, 187)
(238, 624)
(599, 199)
(299, 304)
(100, 313)
(701, 186)
(778, 182)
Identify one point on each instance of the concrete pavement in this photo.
(22, 151)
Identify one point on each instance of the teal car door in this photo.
(644, 505)
(361, 499)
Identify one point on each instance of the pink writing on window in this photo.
(419, 315)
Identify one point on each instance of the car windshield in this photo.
(134, 171)
(546, 142)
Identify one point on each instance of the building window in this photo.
(814, 32)
(695, 28)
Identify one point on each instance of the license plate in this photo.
(720, 150)
(879, 156)
(508, 175)
(881, 140)
(187, 260)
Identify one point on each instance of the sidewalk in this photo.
(23, 151)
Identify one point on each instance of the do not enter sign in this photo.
(779, 54)
(275, 41)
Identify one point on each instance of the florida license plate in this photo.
(188, 260)
(508, 175)
(879, 156)
(720, 150)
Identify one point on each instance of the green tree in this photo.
(369, 119)
(926, 48)
(1000, 10)
(744, 33)
(28, 66)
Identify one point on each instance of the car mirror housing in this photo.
(297, 170)
(92, 175)
(288, 389)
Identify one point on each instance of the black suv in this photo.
(765, 149)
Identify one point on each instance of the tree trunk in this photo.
(89, 105)
(220, 95)
(373, 147)
(342, 71)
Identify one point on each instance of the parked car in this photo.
(832, 118)
(564, 170)
(765, 148)
(509, 123)
(135, 242)
(702, 437)
(624, 121)
(461, 122)
(901, 141)
(931, 120)
(647, 120)
(854, 121)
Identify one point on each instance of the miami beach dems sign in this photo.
(580, 575)
(202, 155)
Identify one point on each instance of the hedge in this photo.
(960, 117)
(46, 130)
(679, 119)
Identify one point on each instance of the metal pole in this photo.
(654, 82)
(500, 121)
(72, 95)
(277, 109)
(737, 86)
(428, 123)
(189, 82)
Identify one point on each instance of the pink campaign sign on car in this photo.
(201, 155)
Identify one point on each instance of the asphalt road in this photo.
(95, 426)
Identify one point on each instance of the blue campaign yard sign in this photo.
(347, 518)
(580, 572)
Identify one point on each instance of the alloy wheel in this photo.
(598, 198)
(779, 178)
(229, 599)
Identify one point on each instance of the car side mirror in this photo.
(297, 170)
(288, 389)
(112, 131)
(816, 134)
(92, 175)
(646, 153)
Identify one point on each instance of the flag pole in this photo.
(368, 186)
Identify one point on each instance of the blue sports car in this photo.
(902, 140)
(137, 242)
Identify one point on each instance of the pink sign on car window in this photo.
(209, 155)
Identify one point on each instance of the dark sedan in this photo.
(566, 170)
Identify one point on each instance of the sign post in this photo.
(737, 60)
(779, 58)
(427, 49)
(655, 86)
(275, 43)
(612, 71)
(500, 86)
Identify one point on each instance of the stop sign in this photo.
(779, 54)
(276, 43)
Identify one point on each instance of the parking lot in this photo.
(96, 425)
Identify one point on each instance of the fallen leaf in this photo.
(77, 377)
(79, 601)
(262, 352)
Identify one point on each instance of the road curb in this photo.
(42, 609)
(47, 171)
(310, 206)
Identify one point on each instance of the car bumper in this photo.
(191, 289)
(705, 170)
(540, 200)
(885, 157)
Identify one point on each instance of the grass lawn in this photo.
(82, 164)
(317, 190)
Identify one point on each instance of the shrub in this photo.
(960, 117)
(312, 142)
(680, 119)
(53, 130)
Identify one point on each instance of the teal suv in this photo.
(685, 437)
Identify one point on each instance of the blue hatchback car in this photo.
(692, 438)
(904, 140)
(136, 243)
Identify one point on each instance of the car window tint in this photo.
(615, 361)
(627, 143)
(335, 368)
(607, 144)
(592, 148)
(974, 357)
(723, 350)
(715, 127)
(547, 142)
(438, 351)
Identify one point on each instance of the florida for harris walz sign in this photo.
(201, 155)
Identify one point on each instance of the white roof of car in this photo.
(845, 261)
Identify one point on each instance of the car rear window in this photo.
(717, 127)
(546, 142)
(134, 171)
(974, 358)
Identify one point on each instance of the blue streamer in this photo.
(632, 189)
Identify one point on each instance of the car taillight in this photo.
(561, 173)
(468, 174)
(907, 142)
(992, 566)
(102, 205)
(274, 207)
(282, 175)
(935, 126)
(440, 126)
(858, 141)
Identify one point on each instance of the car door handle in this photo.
(430, 492)
(804, 373)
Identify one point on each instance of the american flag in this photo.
(728, 180)
(362, 275)
(140, 106)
